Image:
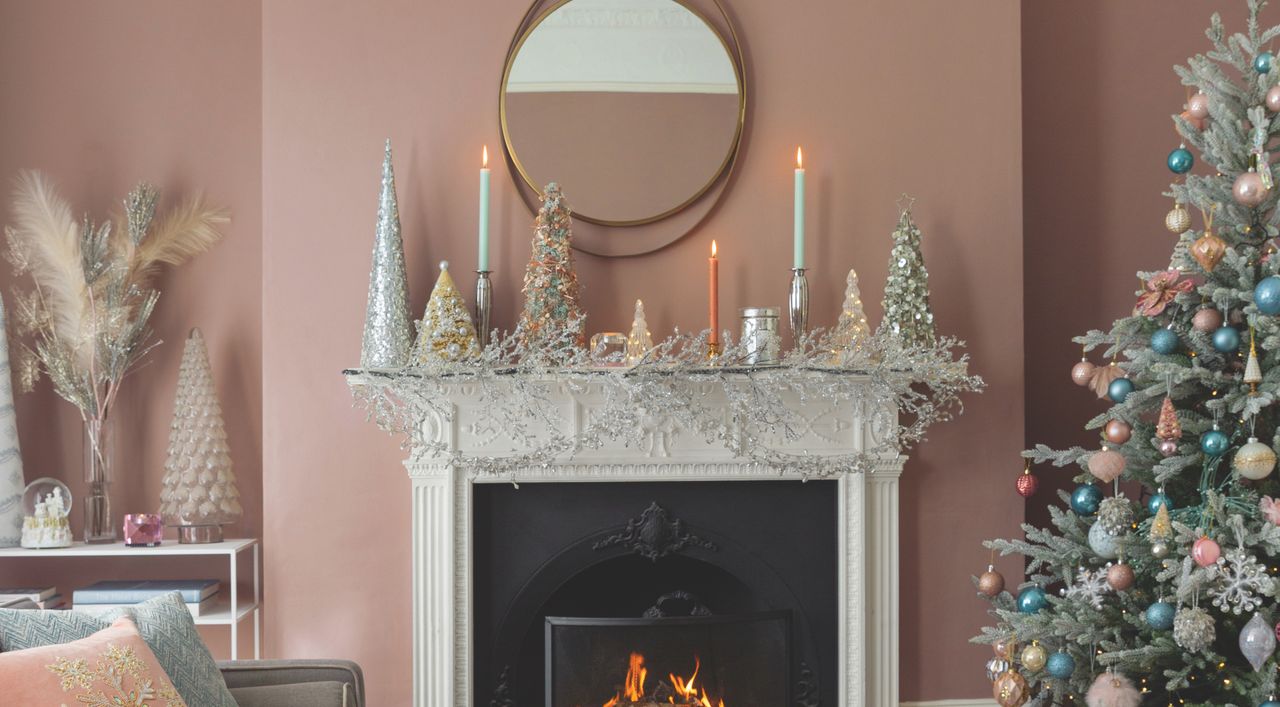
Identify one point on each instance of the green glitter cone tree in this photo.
(553, 322)
(906, 293)
(1159, 565)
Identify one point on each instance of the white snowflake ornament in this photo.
(1089, 586)
(1241, 583)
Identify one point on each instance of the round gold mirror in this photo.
(635, 107)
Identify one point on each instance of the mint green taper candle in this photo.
(799, 209)
(482, 263)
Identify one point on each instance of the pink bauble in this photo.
(1118, 431)
(1273, 99)
(1120, 576)
(1197, 123)
(1249, 190)
(1106, 465)
(1205, 552)
(1082, 372)
(1168, 447)
(1198, 106)
(1207, 320)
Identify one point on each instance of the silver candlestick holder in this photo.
(484, 306)
(798, 301)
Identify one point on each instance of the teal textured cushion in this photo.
(165, 624)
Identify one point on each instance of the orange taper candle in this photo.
(713, 265)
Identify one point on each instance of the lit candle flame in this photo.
(799, 159)
(713, 249)
(484, 156)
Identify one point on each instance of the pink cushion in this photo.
(113, 666)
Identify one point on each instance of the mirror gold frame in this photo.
(733, 49)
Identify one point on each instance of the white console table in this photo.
(230, 610)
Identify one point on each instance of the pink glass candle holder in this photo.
(143, 529)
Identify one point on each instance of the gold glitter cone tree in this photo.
(387, 332)
(906, 293)
(446, 332)
(552, 305)
(199, 492)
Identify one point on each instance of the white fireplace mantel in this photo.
(867, 518)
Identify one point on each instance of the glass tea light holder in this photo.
(143, 529)
(609, 349)
(760, 338)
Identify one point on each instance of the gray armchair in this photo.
(294, 683)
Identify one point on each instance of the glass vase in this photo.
(99, 457)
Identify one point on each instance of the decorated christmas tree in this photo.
(906, 293)
(1163, 590)
(199, 489)
(553, 319)
(446, 332)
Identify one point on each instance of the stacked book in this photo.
(200, 595)
(31, 598)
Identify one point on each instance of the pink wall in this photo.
(836, 77)
(100, 96)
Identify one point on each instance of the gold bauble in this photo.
(1178, 220)
(1255, 460)
(1010, 689)
(1034, 657)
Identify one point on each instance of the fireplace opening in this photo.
(610, 552)
(691, 661)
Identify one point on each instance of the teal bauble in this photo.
(1160, 615)
(1153, 503)
(1270, 703)
(1165, 341)
(1214, 443)
(1119, 389)
(1262, 62)
(1266, 296)
(1060, 665)
(1181, 160)
(1226, 339)
(1031, 600)
(1086, 499)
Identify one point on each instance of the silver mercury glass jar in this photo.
(760, 338)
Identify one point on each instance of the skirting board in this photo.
(952, 703)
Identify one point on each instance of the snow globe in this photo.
(46, 507)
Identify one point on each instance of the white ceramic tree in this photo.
(199, 494)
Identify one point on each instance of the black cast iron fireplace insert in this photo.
(722, 661)
(635, 551)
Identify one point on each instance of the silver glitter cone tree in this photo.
(553, 315)
(388, 333)
(199, 494)
(906, 293)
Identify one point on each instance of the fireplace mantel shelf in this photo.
(451, 435)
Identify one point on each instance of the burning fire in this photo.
(686, 690)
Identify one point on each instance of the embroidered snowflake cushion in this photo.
(166, 626)
(111, 667)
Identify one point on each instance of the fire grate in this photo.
(734, 661)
